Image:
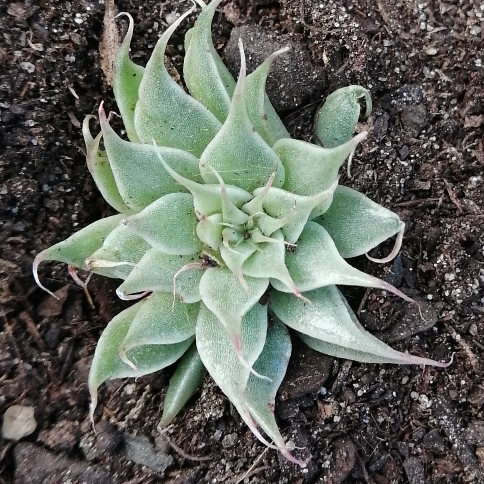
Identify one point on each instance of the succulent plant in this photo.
(229, 232)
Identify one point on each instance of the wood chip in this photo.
(110, 41)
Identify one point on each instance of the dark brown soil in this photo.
(379, 424)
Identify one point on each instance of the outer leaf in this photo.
(139, 174)
(220, 358)
(77, 247)
(261, 394)
(336, 121)
(329, 325)
(168, 225)
(161, 320)
(126, 80)
(357, 224)
(100, 169)
(259, 108)
(184, 383)
(223, 294)
(120, 252)
(165, 112)
(107, 364)
(317, 263)
(311, 169)
(160, 272)
(212, 85)
(238, 152)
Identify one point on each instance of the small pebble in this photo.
(18, 422)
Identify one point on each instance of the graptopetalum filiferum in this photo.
(219, 208)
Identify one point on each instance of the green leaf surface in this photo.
(317, 263)
(161, 320)
(75, 250)
(120, 252)
(184, 383)
(237, 152)
(140, 176)
(223, 294)
(165, 113)
(126, 80)
(213, 85)
(311, 169)
(169, 225)
(100, 170)
(220, 358)
(261, 393)
(107, 363)
(336, 120)
(259, 108)
(158, 272)
(357, 224)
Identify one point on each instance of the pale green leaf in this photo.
(140, 176)
(126, 80)
(120, 252)
(357, 224)
(224, 295)
(336, 120)
(161, 320)
(165, 113)
(168, 225)
(184, 383)
(317, 263)
(220, 358)
(158, 272)
(100, 169)
(259, 108)
(75, 250)
(107, 363)
(212, 85)
(237, 152)
(329, 325)
(261, 393)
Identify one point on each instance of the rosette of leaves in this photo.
(229, 232)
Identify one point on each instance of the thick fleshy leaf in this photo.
(261, 393)
(158, 272)
(268, 261)
(223, 294)
(317, 263)
(259, 108)
(168, 225)
(238, 153)
(311, 169)
(357, 224)
(120, 252)
(160, 320)
(100, 169)
(235, 257)
(208, 199)
(126, 80)
(140, 176)
(336, 120)
(220, 358)
(77, 247)
(212, 85)
(107, 363)
(329, 325)
(280, 203)
(184, 383)
(165, 113)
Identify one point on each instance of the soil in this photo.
(424, 158)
